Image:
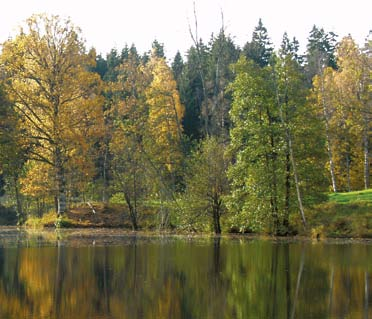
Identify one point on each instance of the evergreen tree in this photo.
(177, 67)
(101, 66)
(157, 49)
(191, 85)
(113, 60)
(222, 54)
(260, 48)
(320, 53)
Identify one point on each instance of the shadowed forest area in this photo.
(221, 139)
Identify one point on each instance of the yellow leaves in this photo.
(344, 98)
(37, 182)
(57, 99)
(165, 112)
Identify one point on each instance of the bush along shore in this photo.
(343, 215)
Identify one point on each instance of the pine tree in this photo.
(320, 53)
(222, 54)
(260, 48)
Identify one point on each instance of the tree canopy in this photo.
(222, 138)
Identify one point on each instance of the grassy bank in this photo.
(343, 215)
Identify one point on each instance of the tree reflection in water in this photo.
(183, 278)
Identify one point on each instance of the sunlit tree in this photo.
(57, 98)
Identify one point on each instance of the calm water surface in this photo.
(109, 274)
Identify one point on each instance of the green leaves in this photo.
(271, 125)
(206, 184)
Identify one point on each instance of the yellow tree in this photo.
(324, 98)
(55, 94)
(354, 109)
(165, 112)
(345, 99)
(163, 142)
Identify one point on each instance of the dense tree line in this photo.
(253, 133)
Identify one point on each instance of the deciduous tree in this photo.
(164, 127)
(55, 95)
(206, 184)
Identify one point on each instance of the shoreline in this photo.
(104, 233)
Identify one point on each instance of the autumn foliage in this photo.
(252, 136)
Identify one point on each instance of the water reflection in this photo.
(177, 278)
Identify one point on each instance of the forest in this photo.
(221, 139)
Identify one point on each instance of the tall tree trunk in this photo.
(366, 156)
(331, 162)
(275, 200)
(296, 180)
(20, 214)
(287, 190)
(274, 182)
(104, 174)
(61, 184)
(216, 215)
(293, 163)
(348, 178)
(135, 213)
(132, 211)
(326, 116)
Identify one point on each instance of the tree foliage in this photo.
(155, 136)
(206, 186)
(56, 97)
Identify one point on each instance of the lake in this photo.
(110, 274)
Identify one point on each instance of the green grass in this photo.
(343, 215)
(351, 197)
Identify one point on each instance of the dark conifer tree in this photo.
(260, 48)
(320, 52)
